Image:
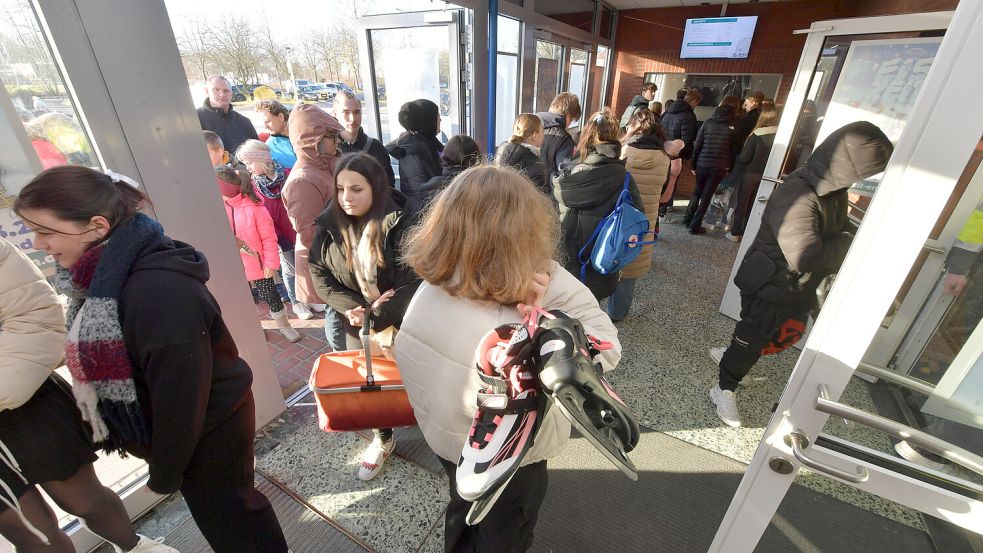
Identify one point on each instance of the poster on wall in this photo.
(879, 83)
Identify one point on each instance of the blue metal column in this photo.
(492, 72)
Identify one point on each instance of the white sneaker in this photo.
(147, 545)
(317, 307)
(726, 402)
(732, 238)
(302, 311)
(717, 354)
(374, 457)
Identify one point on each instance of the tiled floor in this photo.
(293, 362)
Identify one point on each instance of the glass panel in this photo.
(547, 84)
(715, 87)
(602, 56)
(384, 7)
(607, 22)
(576, 13)
(508, 35)
(506, 88)
(39, 129)
(412, 63)
(578, 74)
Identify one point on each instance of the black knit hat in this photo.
(420, 116)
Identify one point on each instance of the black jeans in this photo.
(707, 179)
(508, 527)
(218, 487)
(759, 322)
(746, 192)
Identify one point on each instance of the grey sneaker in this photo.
(147, 545)
(726, 402)
(717, 354)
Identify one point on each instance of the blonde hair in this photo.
(600, 128)
(485, 236)
(566, 104)
(767, 114)
(526, 125)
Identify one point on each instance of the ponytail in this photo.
(526, 125)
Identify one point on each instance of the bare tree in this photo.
(275, 51)
(197, 43)
(235, 49)
(309, 52)
(347, 50)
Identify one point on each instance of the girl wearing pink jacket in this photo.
(256, 236)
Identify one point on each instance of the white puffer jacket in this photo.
(435, 353)
(32, 328)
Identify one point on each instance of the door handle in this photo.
(934, 249)
(773, 180)
(918, 438)
(762, 199)
(798, 441)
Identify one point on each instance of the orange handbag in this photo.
(355, 391)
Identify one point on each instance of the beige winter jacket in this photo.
(32, 328)
(435, 353)
(649, 165)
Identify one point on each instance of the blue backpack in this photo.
(618, 238)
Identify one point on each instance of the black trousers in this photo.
(707, 179)
(508, 527)
(218, 486)
(760, 320)
(746, 192)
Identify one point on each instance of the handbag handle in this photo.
(367, 346)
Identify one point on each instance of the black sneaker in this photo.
(698, 230)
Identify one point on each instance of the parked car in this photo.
(293, 86)
(307, 93)
(241, 93)
(337, 87)
(323, 90)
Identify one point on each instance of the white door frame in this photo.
(927, 162)
(449, 19)
(122, 66)
(730, 305)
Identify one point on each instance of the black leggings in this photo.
(266, 289)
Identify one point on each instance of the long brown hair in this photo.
(371, 222)
(642, 123)
(767, 114)
(601, 128)
(485, 236)
(77, 194)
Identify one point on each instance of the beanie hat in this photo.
(419, 116)
(252, 153)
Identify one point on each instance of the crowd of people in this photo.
(433, 263)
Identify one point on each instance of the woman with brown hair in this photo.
(750, 165)
(522, 150)
(485, 248)
(156, 373)
(587, 193)
(356, 267)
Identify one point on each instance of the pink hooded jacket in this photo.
(252, 224)
(309, 187)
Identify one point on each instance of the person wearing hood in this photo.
(587, 193)
(276, 119)
(417, 149)
(638, 102)
(309, 189)
(647, 156)
(557, 149)
(357, 267)
(745, 177)
(713, 153)
(680, 123)
(460, 153)
(217, 115)
(156, 373)
(522, 151)
(803, 239)
(348, 111)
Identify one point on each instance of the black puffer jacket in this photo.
(419, 160)
(521, 157)
(715, 144)
(680, 124)
(587, 193)
(336, 283)
(429, 190)
(753, 156)
(802, 238)
(558, 146)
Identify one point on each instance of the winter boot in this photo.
(283, 325)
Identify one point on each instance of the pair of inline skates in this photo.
(526, 369)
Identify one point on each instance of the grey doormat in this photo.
(678, 502)
(306, 530)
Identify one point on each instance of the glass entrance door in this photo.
(917, 472)
(549, 56)
(407, 57)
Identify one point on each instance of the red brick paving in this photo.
(293, 362)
